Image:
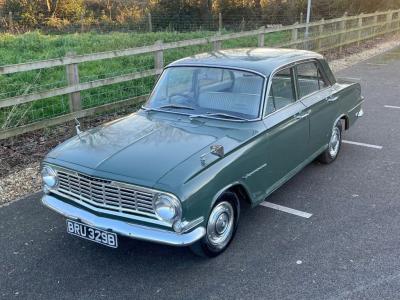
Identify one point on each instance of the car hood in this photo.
(144, 148)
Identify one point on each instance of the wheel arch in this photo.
(239, 190)
(345, 119)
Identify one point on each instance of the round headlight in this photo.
(49, 177)
(167, 207)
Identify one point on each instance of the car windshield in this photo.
(205, 91)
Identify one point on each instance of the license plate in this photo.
(92, 234)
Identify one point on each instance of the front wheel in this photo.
(335, 143)
(221, 227)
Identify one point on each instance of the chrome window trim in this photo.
(286, 66)
(262, 94)
(322, 73)
(281, 109)
(277, 70)
(313, 93)
(217, 67)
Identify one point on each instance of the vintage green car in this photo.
(220, 132)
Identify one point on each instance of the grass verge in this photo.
(37, 46)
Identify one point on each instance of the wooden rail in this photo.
(315, 40)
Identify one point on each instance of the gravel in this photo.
(20, 157)
(20, 183)
(353, 54)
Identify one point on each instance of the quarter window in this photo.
(281, 92)
(309, 79)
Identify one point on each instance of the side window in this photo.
(309, 79)
(281, 92)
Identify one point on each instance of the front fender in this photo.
(200, 193)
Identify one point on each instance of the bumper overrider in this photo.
(122, 227)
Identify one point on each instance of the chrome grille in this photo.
(104, 194)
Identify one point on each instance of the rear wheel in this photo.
(335, 143)
(221, 227)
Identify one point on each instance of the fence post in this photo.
(398, 19)
(386, 23)
(217, 44)
(360, 25)
(10, 20)
(342, 36)
(301, 18)
(397, 24)
(220, 22)
(295, 34)
(261, 37)
(390, 21)
(73, 79)
(375, 23)
(320, 33)
(242, 24)
(159, 57)
(150, 22)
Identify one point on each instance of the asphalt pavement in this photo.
(348, 249)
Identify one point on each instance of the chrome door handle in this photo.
(332, 98)
(302, 115)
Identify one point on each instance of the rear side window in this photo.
(309, 79)
(281, 92)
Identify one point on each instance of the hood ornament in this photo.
(217, 150)
(78, 127)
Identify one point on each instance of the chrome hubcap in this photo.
(220, 225)
(334, 143)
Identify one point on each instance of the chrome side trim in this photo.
(123, 228)
(254, 171)
(358, 104)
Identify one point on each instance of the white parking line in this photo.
(362, 144)
(391, 106)
(286, 209)
(349, 78)
(376, 64)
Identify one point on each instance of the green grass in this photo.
(37, 46)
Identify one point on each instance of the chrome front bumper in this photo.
(123, 228)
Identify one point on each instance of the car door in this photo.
(287, 129)
(315, 92)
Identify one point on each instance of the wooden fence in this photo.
(342, 31)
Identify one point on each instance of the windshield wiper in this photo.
(176, 106)
(222, 115)
(148, 108)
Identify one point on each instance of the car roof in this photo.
(260, 60)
